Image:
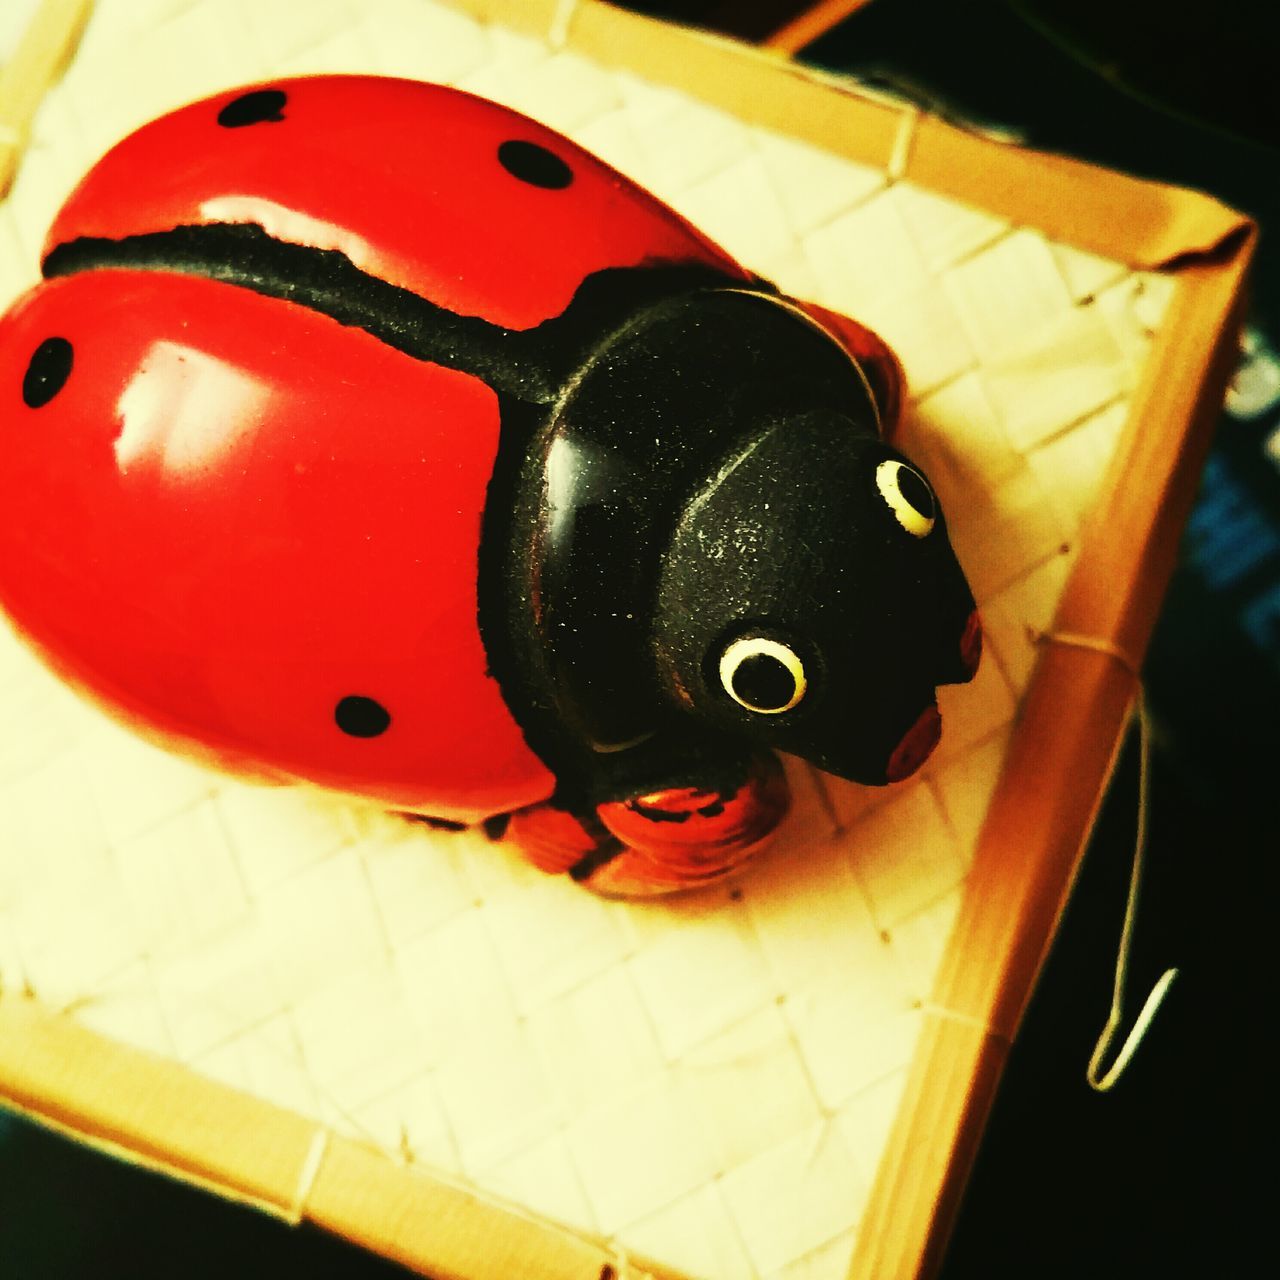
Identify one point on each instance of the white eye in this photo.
(909, 497)
(762, 675)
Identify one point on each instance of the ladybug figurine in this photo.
(369, 434)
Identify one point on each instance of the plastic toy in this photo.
(369, 434)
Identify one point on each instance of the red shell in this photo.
(237, 512)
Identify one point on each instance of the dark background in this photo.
(1161, 1176)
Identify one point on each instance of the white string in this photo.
(307, 1176)
(1094, 643)
(1104, 1081)
(1097, 1078)
(561, 21)
(963, 1019)
(1100, 1080)
(901, 153)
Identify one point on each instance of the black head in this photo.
(724, 547)
(810, 601)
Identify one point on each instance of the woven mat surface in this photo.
(709, 1081)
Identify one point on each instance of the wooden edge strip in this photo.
(159, 1116)
(812, 24)
(1070, 726)
(44, 49)
(958, 1060)
(1144, 224)
(1141, 223)
(1151, 484)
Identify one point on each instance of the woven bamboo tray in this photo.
(414, 1040)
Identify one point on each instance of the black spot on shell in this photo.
(47, 371)
(261, 106)
(361, 717)
(535, 165)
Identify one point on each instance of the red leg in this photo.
(684, 837)
(555, 840)
(874, 357)
(660, 842)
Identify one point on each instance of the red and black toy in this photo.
(367, 433)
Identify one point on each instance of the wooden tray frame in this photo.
(1062, 750)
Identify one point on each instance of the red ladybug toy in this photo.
(367, 433)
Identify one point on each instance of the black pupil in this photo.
(762, 682)
(915, 491)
